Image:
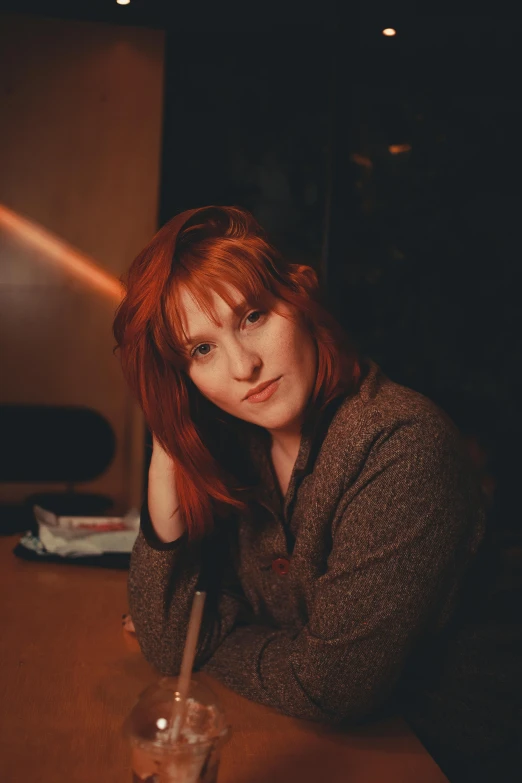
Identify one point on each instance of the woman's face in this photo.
(228, 361)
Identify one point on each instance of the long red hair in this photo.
(209, 250)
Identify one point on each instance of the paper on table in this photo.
(79, 536)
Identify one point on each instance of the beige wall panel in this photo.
(79, 157)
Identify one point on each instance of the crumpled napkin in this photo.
(79, 536)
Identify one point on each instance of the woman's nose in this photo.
(244, 363)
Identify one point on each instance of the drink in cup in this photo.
(193, 757)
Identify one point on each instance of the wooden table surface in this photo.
(69, 675)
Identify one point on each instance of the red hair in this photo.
(209, 250)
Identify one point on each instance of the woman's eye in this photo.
(197, 352)
(259, 313)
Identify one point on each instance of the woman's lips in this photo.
(265, 394)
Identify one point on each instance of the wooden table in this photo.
(69, 675)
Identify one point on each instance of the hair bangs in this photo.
(238, 284)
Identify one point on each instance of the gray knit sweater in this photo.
(326, 604)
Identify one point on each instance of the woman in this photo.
(331, 515)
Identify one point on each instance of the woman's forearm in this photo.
(163, 578)
(162, 497)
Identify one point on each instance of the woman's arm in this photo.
(165, 570)
(398, 555)
(162, 496)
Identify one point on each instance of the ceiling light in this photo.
(123, 2)
(389, 32)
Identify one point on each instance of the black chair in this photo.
(55, 444)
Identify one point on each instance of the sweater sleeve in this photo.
(162, 581)
(394, 560)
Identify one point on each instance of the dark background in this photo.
(290, 110)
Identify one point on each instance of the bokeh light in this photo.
(397, 149)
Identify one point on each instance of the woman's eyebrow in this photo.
(237, 310)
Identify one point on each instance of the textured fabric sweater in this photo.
(336, 602)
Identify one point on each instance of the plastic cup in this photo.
(194, 757)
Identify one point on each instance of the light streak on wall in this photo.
(54, 250)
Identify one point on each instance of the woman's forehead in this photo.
(194, 309)
(191, 307)
(197, 314)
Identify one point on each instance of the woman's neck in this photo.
(286, 445)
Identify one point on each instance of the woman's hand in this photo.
(127, 624)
